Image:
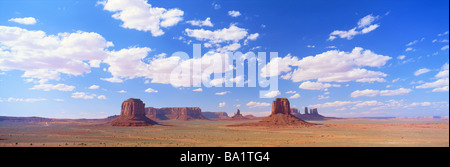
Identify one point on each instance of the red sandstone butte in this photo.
(281, 117)
(238, 116)
(132, 114)
(281, 105)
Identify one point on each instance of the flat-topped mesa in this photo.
(178, 113)
(215, 115)
(132, 114)
(188, 113)
(281, 105)
(132, 107)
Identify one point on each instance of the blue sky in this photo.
(81, 59)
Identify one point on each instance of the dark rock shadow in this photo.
(160, 124)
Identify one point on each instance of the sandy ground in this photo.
(329, 133)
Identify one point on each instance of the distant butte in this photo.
(215, 115)
(280, 117)
(132, 114)
(238, 116)
(178, 113)
(313, 114)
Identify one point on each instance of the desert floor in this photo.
(329, 133)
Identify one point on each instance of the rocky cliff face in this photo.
(281, 105)
(215, 115)
(178, 113)
(132, 108)
(132, 114)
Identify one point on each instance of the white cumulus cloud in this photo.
(272, 94)
(222, 93)
(317, 85)
(234, 13)
(25, 20)
(94, 87)
(365, 25)
(207, 22)
(372, 93)
(48, 87)
(421, 71)
(367, 20)
(295, 96)
(150, 90)
(442, 82)
(45, 57)
(233, 33)
(142, 16)
(222, 104)
(198, 90)
(253, 104)
(83, 95)
(13, 99)
(347, 66)
(101, 97)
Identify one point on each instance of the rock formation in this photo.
(238, 113)
(238, 116)
(294, 110)
(132, 114)
(313, 114)
(215, 115)
(281, 105)
(178, 113)
(281, 116)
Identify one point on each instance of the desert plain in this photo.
(345, 132)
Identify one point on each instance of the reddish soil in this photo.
(278, 120)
